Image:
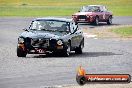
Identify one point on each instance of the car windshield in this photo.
(90, 9)
(50, 25)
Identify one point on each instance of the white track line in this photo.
(89, 35)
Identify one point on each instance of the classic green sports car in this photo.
(59, 36)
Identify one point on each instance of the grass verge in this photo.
(59, 7)
(36, 11)
(124, 31)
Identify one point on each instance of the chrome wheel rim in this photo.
(82, 46)
(68, 50)
(110, 20)
(97, 21)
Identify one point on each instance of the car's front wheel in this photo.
(21, 53)
(96, 21)
(109, 21)
(78, 50)
(67, 51)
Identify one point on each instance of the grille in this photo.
(40, 42)
(82, 17)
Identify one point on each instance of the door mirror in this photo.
(25, 29)
(75, 30)
(76, 23)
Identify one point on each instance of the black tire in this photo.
(109, 21)
(48, 54)
(21, 53)
(96, 21)
(67, 51)
(78, 50)
(81, 80)
(56, 53)
(129, 79)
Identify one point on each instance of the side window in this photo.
(105, 9)
(96, 8)
(101, 8)
(73, 26)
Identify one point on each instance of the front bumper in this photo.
(41, 50)
(83, 19)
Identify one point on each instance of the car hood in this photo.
(84, 13)
(42, 34)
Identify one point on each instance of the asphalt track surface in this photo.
(38, 71)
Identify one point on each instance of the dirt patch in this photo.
(105, 32)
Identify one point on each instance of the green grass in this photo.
(36, 11)
(59, 7)
(124, 31)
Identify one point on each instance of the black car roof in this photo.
(54, 18)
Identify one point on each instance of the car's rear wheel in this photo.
(96, 21)
(78, 50)
(109, 21)
(21, 53)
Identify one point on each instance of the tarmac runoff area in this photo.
(100, 56)
(125, 85)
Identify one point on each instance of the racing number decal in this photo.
(41, 51)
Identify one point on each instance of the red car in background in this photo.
(93, 14)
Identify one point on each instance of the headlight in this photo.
(59, 42)
(20, 40)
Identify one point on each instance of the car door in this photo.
(76, 35)
(73, 35)
(79, 35)
(101, 14)
(104, 13)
